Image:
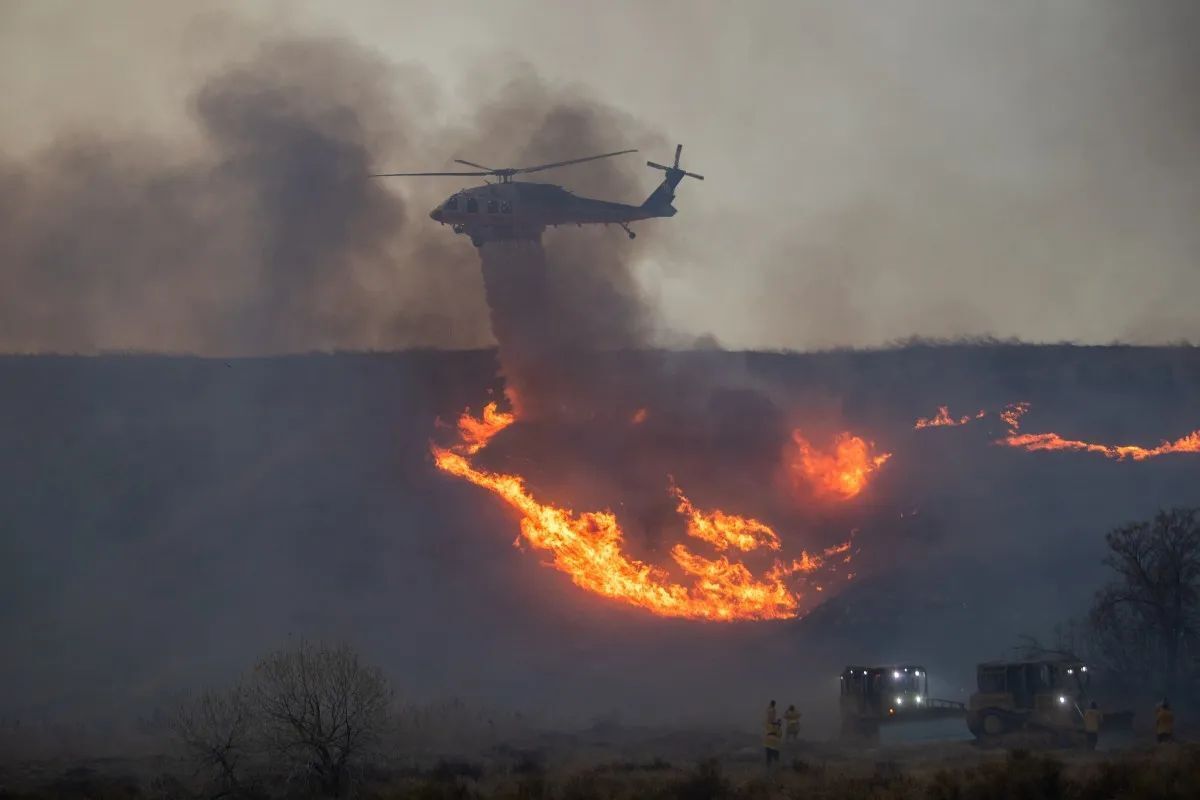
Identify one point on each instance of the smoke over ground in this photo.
(263, 233)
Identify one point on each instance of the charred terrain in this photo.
(510, 520)
(166, 518)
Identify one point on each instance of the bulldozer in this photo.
(872, 696)
(1046, 697)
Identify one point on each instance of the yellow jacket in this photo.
(1092, 719)
(771, 737)
(1164, 721)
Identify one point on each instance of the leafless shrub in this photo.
(216, 731)
(321, 710)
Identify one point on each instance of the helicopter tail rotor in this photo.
(675, 167)
(659, 202)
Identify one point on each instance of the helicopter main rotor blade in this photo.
(694, 175)
(473, 164)
(541, 167)
(411, 174)
(656, 166)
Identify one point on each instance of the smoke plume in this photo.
(266, 234)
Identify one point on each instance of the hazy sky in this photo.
(874, 170)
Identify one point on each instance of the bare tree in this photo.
(1145, 621)
(321, 709)
(216, 731)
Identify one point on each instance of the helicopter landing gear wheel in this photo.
(625, 227)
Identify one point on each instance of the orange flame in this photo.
(1052, 441)
(1012, 414)
(639, 416)
(723, 530)
(1033, 442)
(840, 474)
(588, 546)
(942, 418)
(474, 434)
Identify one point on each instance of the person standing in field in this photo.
(792, 718)
(771, 743)
(1164, 722)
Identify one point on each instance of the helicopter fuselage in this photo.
(521, 210)
(515, 210)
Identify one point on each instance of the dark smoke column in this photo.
(519, 301)
(558, 314)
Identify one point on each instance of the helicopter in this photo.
(511, 210)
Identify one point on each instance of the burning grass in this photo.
(1012, 414)
(589, 546)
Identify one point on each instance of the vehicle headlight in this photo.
(896, 675)
(1083, 669)
(1062, 699)
(899, 701)
(918, 699)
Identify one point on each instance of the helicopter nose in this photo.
(436, 215)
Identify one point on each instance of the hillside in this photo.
(165, 519)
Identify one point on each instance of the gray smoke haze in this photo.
(871, 175)
(269, 236)
(933, 168)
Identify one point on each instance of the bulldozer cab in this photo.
(879, 692)
(875, 696)
(1048, 695)
(1031, 684)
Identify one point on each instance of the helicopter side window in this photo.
(492, 206)
(452, 203)
(505, 207)
(472, 205)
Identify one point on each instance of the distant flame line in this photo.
(1035, 442)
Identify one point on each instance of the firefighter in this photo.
(792, 718)
(772, 717)
(771, 742)
(1091, 724)
(1164, 722)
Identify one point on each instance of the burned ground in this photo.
(165, 519)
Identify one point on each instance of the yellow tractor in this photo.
(1047, 696)
(885, 695)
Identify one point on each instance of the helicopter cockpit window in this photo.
(472, 205)
(452, 204)
(505, 207)
(492, 206)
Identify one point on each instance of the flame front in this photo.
(723, 530)
(1052, 441)
(841, 473)
(943, 419)
(1012, 413)
(1033, 442)
(474, 434)
(588, 546)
